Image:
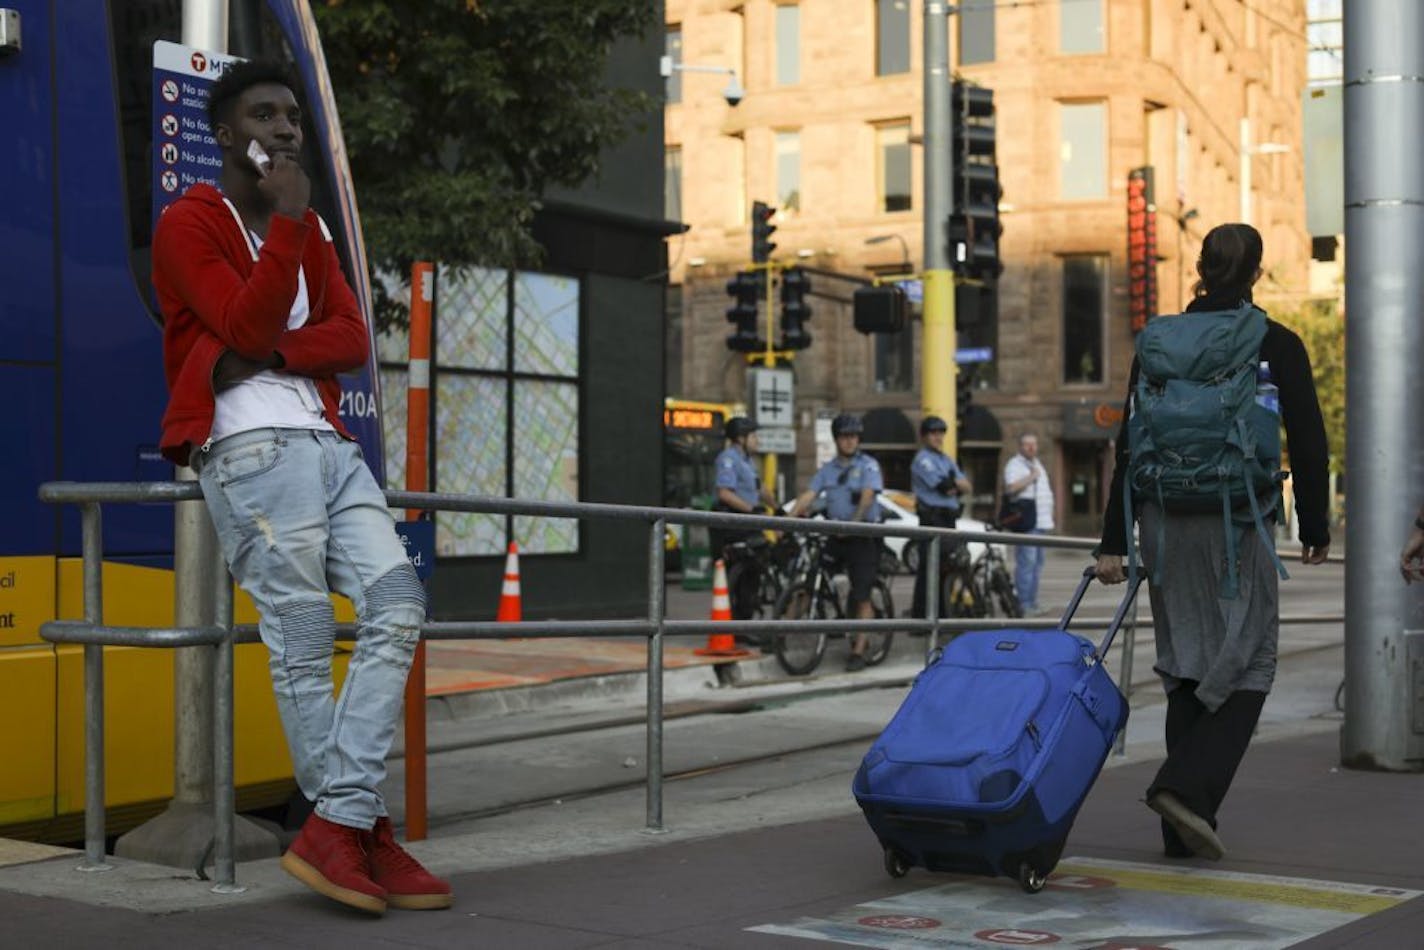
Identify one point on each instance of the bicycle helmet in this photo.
(933, 424)
(738, 426)
(846, 424)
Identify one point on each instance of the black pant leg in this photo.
(930, 518)
(1183, 711)
(1203, 762)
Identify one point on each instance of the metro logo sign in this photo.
(1141, 247)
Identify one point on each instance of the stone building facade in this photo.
(829, 132)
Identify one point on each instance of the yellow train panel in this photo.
(139, 692)
(26, 599)
(27, 684)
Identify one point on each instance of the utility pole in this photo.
(768, 360)
(181, 835)
(937, 352)
(1384, 280)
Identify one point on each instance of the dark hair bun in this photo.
(1230, 256)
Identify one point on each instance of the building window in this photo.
(788, 45)
(1080, 26)
(894, 361)
(672, 183)
(506, 380)
(1083, 151)
(673, 50)
(1085, 283)
(893, 146)
(892, 37)
(976, 34)
(788, 170)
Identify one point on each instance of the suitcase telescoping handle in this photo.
(1089, 575)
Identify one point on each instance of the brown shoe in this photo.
(331, 859)
(408, 885)
(1194, 830)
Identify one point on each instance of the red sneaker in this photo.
(408, 885)
(332, 859)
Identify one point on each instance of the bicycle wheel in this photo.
(958, 598)
(1002, 594)
(877, 645)
(800, 653)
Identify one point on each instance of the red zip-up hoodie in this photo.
(215, 297)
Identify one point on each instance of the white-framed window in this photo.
(788, 44)
(1083, 150)
(892, 148)
(1085, 290)
(892, 37)
(788, 170)
(1080, 26)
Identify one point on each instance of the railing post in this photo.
(93, 545)
(224, 791)
(657, 615)
(932, 582)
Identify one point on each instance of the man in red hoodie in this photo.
(258, 320)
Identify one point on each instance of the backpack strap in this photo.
(1258, 516)
(1231, 580)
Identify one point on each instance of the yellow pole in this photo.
(768, 359)
(937, 389)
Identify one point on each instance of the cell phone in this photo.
(260, 159)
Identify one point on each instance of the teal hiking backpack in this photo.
(1199, 439)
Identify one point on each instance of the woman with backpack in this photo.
(1214, 596)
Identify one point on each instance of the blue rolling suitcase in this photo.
(986, 763)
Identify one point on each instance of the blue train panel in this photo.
(27, 195)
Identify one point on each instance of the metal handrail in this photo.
(94, 634)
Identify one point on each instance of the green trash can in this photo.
(697, 550)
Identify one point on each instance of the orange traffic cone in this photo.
(721, 644)
(509, 606)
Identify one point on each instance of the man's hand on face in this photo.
(287, 186)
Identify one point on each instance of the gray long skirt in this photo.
(1223, 645)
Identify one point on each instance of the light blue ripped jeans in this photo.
(298, 514)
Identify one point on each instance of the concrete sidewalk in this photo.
(1317, 858)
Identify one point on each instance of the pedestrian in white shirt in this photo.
(1026, 478)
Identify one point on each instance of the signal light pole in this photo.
(937, 395)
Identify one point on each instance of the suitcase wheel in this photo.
(1029, 879)
(896, 864)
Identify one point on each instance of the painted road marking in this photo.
(1100, 903)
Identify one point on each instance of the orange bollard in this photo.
(509, 602)
(721, 644)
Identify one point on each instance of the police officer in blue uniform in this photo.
(938, 482)
(851, 481)
(739, 489)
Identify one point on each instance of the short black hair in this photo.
(242, 76)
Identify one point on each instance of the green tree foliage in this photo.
(458, 114)
(1322, 329)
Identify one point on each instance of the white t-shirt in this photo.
(1041, 492)
(272, 399)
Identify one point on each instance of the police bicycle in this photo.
(817, 590)
(977, 587)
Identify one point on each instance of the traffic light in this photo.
(882, 309)
(795, 285)
(744, 289)
(973, 229)
(762, 229)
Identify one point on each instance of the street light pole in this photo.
(1384, 279)
(937, 352)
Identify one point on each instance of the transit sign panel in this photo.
(184, 149)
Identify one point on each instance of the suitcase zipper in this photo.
(1032, 729)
